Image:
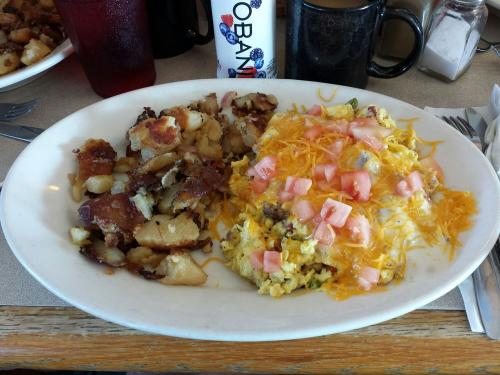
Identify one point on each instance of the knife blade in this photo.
(19, 132)
(487, 276)
(488, 297)
(477, 122)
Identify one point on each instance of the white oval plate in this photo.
(494, 3)
(25, 75)
(36, 211)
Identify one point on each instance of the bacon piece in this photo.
(96, 157)
(115, 215)
(202, 179)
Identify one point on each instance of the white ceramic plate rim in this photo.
(494, 3)
(199, 331)
(56, 56)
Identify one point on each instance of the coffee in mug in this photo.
(333, 40)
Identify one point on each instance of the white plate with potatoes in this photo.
(36, 212)
(24, 75)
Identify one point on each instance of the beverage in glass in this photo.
(111, 39)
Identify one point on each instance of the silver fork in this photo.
(463, 126)
(11, 111)
(486, 278)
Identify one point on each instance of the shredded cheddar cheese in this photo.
(432, 216)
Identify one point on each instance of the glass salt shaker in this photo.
(452, 38)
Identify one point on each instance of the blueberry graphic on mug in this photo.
(231, 72)
(256, 53)
(259, 63)
(261, 74)
(231, 37)
(255, 3)
(224, 28)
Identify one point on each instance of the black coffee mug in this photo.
(174, 28)
(336, 45)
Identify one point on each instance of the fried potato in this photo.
(158, 162)
(164, 232)
(9, 61)
(180, 268)
(100, 253)
(99, 184)
(145, 257)
(125, 164)
(155, 136)
(22, 35)
(79, 236)
(34, 51)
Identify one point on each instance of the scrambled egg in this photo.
(430, 215)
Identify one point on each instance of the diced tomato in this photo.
(298, 185)
(359, 132)
(414, 180)
(359, 228)
(266, 167)
(411, 184)
(374, 143)
(431, 163)
(257, 260)
(308, 122)
(251, 172)
(304, 210)
(368, 277)
(259, 185)
(357, 184)
(228, 98)
(364, 121)
(272, 261)
(336, 149)
(323, 185)
(285, 196)
(403, 190)
(314, 132)
(325, 172)
(317, 219)
(324, 233)
(335, 213)
(338, 126)
(315, 110)
(369, 136)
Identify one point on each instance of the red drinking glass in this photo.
(111, 39)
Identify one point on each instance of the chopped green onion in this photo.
(353, 102)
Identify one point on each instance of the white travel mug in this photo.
(245, 38)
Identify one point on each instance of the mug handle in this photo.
(376, 70)
(196, 36)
